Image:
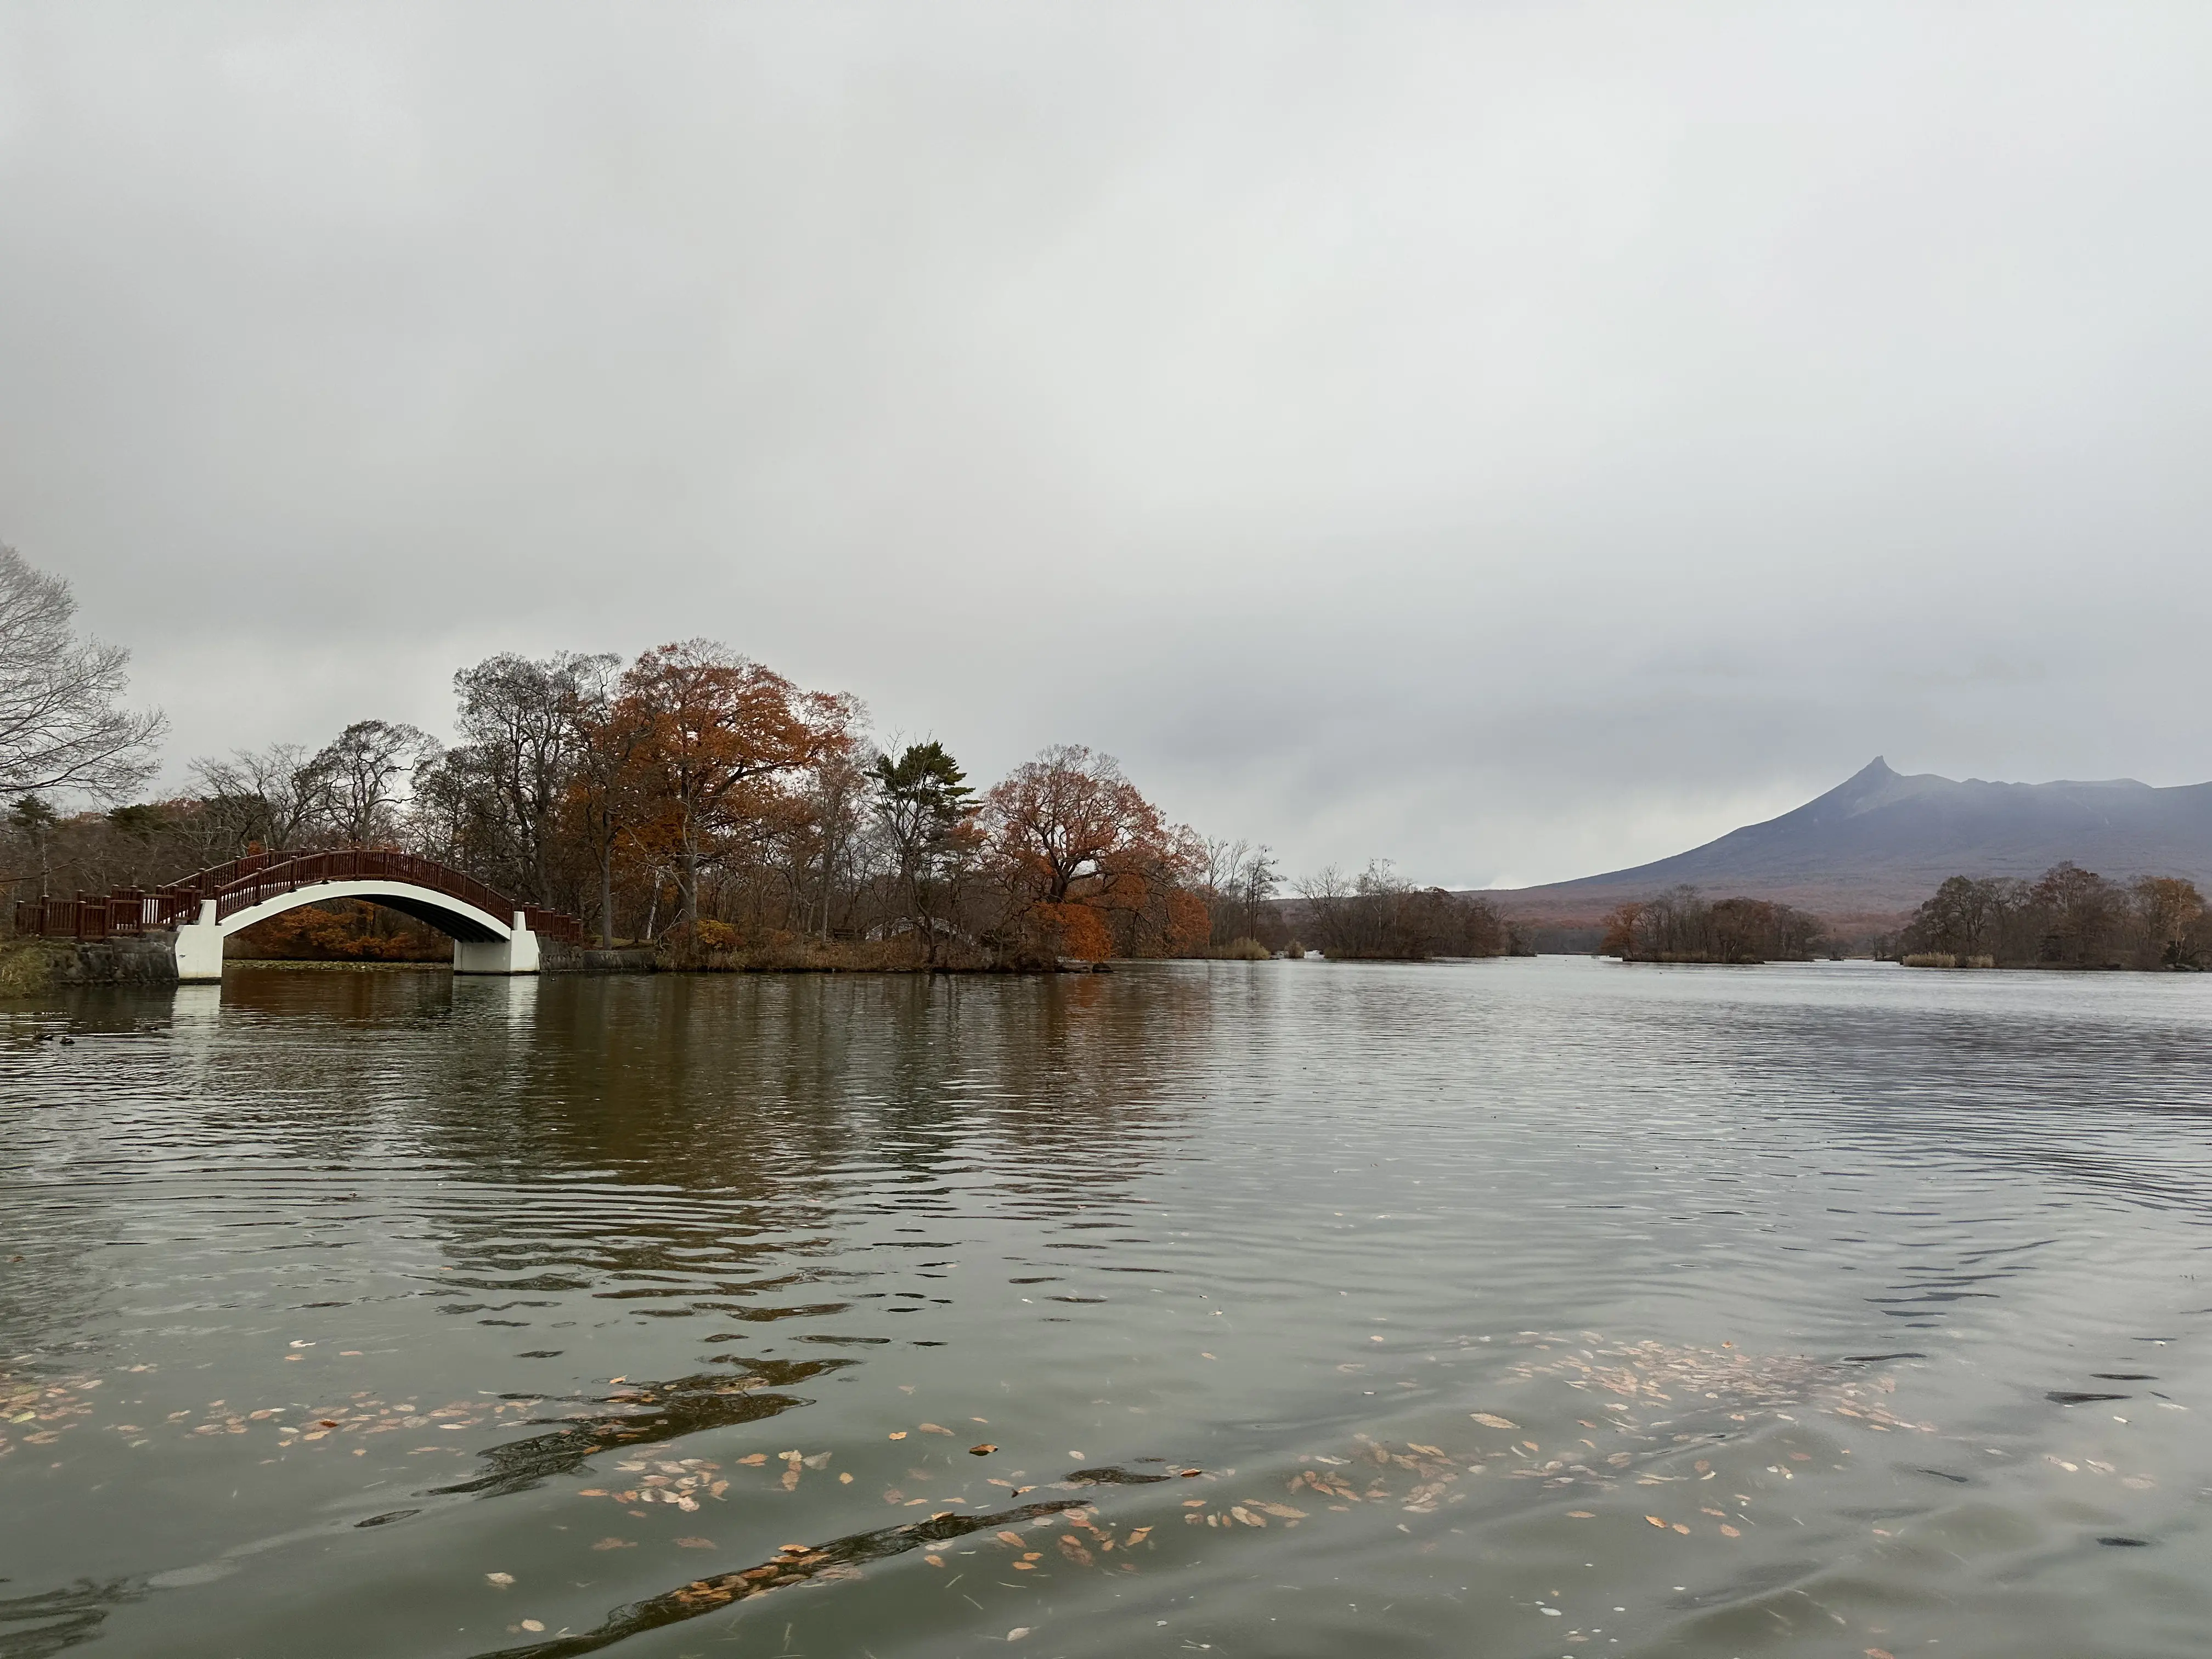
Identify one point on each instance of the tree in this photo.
(1620, 930)
(2169, 914)
(1961, 919)
(720, 730)
(925, 806)
(829, 815)
(268, 799)
(1381, 917)
(1085, 858)
(2082, 912)
(61, 725)
(1238, 881)
(603, 796)
(36, 820)
(1067, 816)
(522, 738)
(1681, 926)
(357, 778)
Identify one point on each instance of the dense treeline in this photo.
(1378, 917)
(1681, 925)
(699, 800)
(2069, 917)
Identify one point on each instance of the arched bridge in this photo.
(491, 933)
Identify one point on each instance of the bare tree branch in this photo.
(60, 724)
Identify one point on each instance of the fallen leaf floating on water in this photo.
(898, 1434)
(1635, 1372)
(983, 1450)
(1433, 1468)
(1017, 1633)
(499, 1580)
(615, 1544)
(532, 1624)
(1646, 1370)
(694, 1543)
(931, 1428)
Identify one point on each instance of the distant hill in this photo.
(1879, 842)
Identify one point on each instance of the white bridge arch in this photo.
(483, 944)
(491, 933)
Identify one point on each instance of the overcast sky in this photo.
(1516, 440)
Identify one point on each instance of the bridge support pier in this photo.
(199, 946)
(515, 955)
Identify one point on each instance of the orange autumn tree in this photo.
(719, 734)
(1087, 865)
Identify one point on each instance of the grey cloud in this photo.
(1513, 440)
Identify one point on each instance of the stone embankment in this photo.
(30, 967)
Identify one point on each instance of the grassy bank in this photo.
(26, 967)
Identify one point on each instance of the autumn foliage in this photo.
(1680, 925)
(2069, 917)
(694, 800)
(1086, 864)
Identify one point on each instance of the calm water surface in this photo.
(1504, 1309)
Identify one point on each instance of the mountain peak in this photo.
(1883, 837)
(1874, 784)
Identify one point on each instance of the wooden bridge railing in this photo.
(244, 883)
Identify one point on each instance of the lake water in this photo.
(1525, 1308)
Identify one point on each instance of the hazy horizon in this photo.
(1517, 443)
